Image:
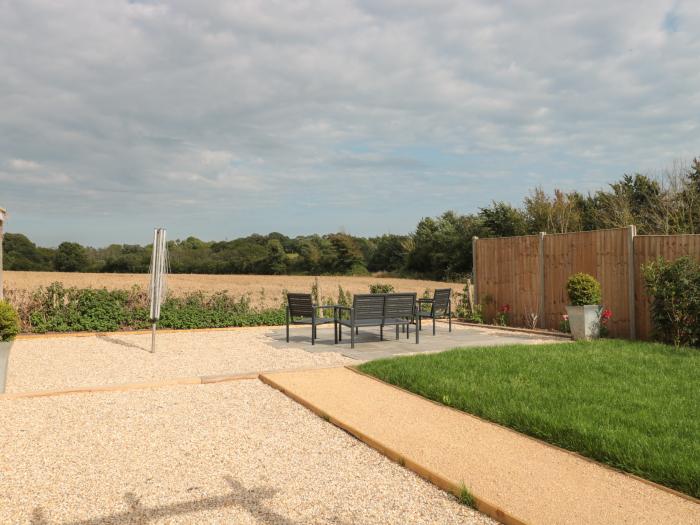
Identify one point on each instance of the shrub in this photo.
(381, 288)
(60, 309)
(9, 322)
(476, 315)
(675, 306)
(583, 289)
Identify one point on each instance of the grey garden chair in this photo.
(440, 307)
(302, 310)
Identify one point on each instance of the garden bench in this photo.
(376, 310)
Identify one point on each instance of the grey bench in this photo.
(380, 310)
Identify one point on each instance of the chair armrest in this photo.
(325, 306)
(338, 307)
(425, 300)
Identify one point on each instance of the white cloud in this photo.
(251, 105)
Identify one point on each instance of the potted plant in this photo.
(584, 308)
(9, 328)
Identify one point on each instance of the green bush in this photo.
(381, 288)
(60, 309)
(675, 306)
(583, 289)
(9, 322)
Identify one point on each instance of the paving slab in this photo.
(529, 481)
(369, 346)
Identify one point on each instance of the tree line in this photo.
(439, 247)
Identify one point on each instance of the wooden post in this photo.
(2, 233)
(540, 302)
(474, 282)
(631, 234)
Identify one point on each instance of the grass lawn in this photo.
(635, 406)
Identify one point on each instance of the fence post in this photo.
(540, 301)
(476, 288)
(631, 233)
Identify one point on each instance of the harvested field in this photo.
(264, 290)
(230, 453)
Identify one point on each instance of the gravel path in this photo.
(64, 362)
(228, 453)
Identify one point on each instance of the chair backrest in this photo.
(300, 304)
(400, 305)
(441, 299)
(368, 306)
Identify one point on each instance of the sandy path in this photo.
(64, 362)
(525, 478)
(229, 453)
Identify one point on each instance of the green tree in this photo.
(276, 260)
(70, 257)
(503, 220)
(348, 254)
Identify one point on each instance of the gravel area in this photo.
(227, 453)
(65, 362)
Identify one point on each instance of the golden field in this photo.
(263, 290)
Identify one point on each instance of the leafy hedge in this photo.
(60, 309)
(675, 307)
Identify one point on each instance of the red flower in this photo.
(505, 309)
(606, 315)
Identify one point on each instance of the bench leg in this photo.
(340, 332)
(287, 319)
(313, 334)
(397, 331)
(381, 332)
(433, 325)
(449, 317)
(352, 338)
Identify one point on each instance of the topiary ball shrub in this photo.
(583, 289)
(9, 322)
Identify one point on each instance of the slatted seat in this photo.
(377, 310)
(301, 310)
(440, 307)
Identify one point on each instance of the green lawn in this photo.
(635, 406)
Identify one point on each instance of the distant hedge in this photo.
(59, 309)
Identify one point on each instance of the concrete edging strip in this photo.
(435, 478)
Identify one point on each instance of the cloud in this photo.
(251, 111)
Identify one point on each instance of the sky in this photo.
(221, 119)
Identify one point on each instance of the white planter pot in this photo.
(4, 358)
(584, 321)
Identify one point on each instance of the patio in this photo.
(368, 345)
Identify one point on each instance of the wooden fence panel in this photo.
(602, 254)
(507, 272)
(648, 248)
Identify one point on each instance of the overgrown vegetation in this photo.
(439, 247)
(381, 288)
(631, 405)
(675, 307)
(59, 309)
(583, 289)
